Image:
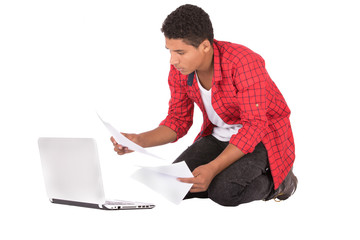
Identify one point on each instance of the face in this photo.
(184, 57)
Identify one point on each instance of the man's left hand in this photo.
(203, 175)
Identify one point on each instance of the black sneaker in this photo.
(286, 188)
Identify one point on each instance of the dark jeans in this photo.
(246, 180)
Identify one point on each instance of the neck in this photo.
(208, 66)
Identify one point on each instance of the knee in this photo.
(229, 196)
(234, 194)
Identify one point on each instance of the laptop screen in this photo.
(71, 169)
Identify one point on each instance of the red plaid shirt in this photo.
(242, 93)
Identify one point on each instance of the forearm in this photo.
(204, 174)
(158, 136)
(230, 155)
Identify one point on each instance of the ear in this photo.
(205, 46)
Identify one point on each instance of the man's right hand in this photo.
(158, 136)
(120, 149)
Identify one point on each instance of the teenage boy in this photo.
(245, 149)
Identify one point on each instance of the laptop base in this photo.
(103, 206)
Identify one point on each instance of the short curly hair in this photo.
(190, 23)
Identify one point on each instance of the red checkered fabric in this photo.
(242, 93)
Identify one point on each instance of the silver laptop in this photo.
(72, 174)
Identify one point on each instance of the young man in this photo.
(245, 150)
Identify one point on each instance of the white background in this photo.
(62, 60)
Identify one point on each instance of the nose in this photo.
(174, 60)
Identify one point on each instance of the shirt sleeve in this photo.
(251, 79)
(181, 107)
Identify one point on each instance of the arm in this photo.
(181, 107)
(158, 136)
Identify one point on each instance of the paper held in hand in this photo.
(124, 141)
(161, 179)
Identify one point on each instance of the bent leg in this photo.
(199, 153)
(202, 152)
(246, 180)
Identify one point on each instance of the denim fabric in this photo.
(246, 180)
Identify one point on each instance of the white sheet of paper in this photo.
(163, 179)
(124, 141)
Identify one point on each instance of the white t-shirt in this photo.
(222, 131)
